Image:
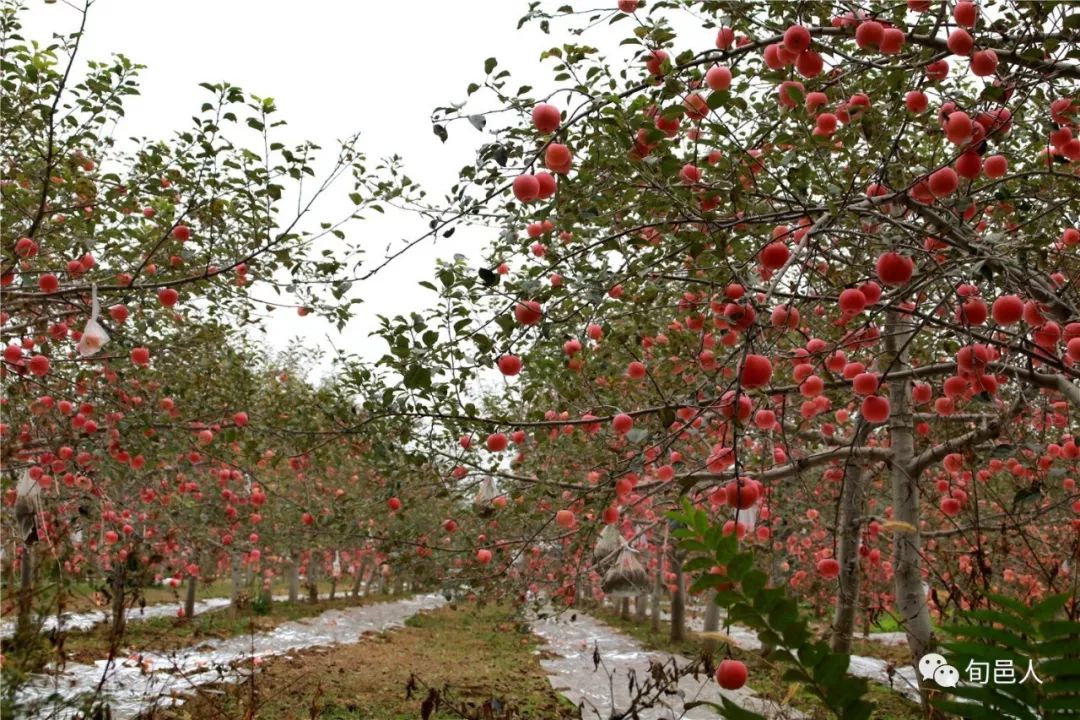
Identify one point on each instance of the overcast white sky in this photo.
(333, 68)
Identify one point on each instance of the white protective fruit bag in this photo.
(27, 492)
(93, 335)
(627, 577)
(607, 544)
(485, 494)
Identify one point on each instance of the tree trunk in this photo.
(866, 615)
(712, 624)
(293, 571)
(24, 627)
(312, 579)
(189, 599)
(910, 594)
(852, 507)
(678, 602)
(359, 580)
(119, 615)
(658, 586)
(624, 608)
(640, 604)
(235, 581)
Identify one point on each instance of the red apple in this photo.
(509, 365)
(894, 269)
(546, 118)
(875, 408)
(718, 78)
(828, 568)
(756, 371)
(731, 674)
(526, 188)
(48, 283)
(168, 297)
(528, 312)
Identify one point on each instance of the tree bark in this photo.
(119, 615)
(189, 599)
(852, 508)
(678, 602)
(910, 594)
(658, 585)
(640, 604)
(235, 583)
(358, 579)
(24, 624)
(712, 623)
(313, 579)
(293, 571)
(624, 608)
(359, 583)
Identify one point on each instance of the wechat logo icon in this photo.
(933, 666)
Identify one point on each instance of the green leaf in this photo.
(989, 697)
(1058, 668)
(418, 377)
(1059, 628)
(858, 709)
(717, 99)
(728, 709)
(981, 651)
(785, 613)
(795, 635)
(1050, 607)
(738, 566)
(985, 632)
(698, 563)
(754, 582)
(812, 654)
(831, 668)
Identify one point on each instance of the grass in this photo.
(470, 654)
(766, 676)
(886, 623)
